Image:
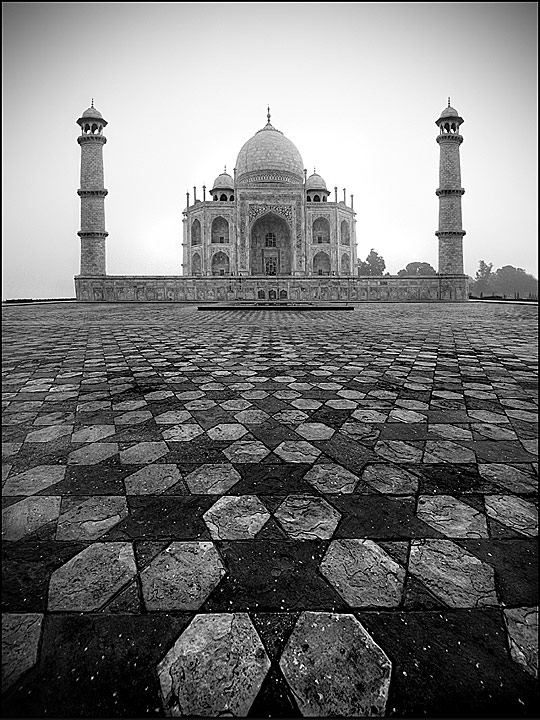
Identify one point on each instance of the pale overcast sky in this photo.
(357, 87)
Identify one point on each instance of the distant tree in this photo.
(417, 268)
(509, 280)
(484, 278)
(506, 281)
(373, 265)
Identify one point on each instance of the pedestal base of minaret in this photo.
(307, 289)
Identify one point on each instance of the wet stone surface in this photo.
(325, 514)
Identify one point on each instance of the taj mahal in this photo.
(268, 232)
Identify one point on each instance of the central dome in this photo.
(269, 157)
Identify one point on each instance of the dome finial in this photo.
(224, 168)
(448, 101)
(92, 102)
(268, 115)
(314, 169)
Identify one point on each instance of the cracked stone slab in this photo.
(214, 669)
(227, 431)
(330, 478)
(236, 517)
(454, 575)
(335, 668)
(28, 515)
(143, 453)
(34, 480)
(49, 433)
(315, 431)
(213, 479)
(398, 451)
(363, 573)
(307, 518)
(93, 433)
(509, 477)
(252, 416)
(91, 578)
(173, 417)
(451, 517)
(522, 629)
(390, 479)
(152, 479)
(437, 451)
(182, 576)
(88, 518)
(514, 512)
(246, 451)
(297, 452)
(20, 640)
(182, 433)
(92, 453)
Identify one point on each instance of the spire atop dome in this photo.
(268, 115)
(449, 101)
(92, 105)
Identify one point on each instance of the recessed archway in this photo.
(321, 264)
(220, 264)
(270, 248)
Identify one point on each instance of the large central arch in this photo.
(270, 247)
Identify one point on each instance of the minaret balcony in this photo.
(453, 138)
(450, 233)
(92, 193)
(449, 191)
(99, 139)
(92, 234)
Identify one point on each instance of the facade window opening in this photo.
(222, 271)
(320, 272)
(270, 240)
(320, 239)
(223, 197)
(231, 198)
(261, 295)
(324, 198)
(221, 239)
(215, 197)
(196, 233)
(270, 267)
(316, 198)
(309, 198)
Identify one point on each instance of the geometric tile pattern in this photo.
(279, 514)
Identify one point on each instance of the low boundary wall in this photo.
(177, 288)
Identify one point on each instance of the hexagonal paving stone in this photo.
(236, 517)
(253, 416)
(297, 452)
(363, 573)
(87, 518)
(92, 454)
(451, 573)
(451, 517)
(135, 417)
(244, 451)
(182, 576)
(152, 479)
(20, 640)
(28, 515)
(173, 417)
(522, 628)
(315, 431)
(213, 479)
(335, 668)
(143, 453)
(182, 433)
(509, 478)
(214, 669)
(34, 480)
(49, 433)
(307, 518)
(87, 581)
(227, 431)
(390, 479)
(290, 417)
(331, 479)
(514, 512)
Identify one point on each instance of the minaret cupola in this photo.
(223, 187)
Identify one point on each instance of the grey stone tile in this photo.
(20, 639)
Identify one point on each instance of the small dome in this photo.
(91, 112)
(449, 112)
(315, 182)
(223, 181)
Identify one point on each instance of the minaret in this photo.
(450, 233)
(92, 192)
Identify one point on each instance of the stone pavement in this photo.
(270, 514)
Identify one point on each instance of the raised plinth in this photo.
(274, 305)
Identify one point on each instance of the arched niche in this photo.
(321, 264)
(220, 264)
(345, 233)
(345, 264)
(220, 230)
(321, 231)
(195, 232)
(196, 264)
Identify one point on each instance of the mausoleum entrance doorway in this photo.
(270, 246)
